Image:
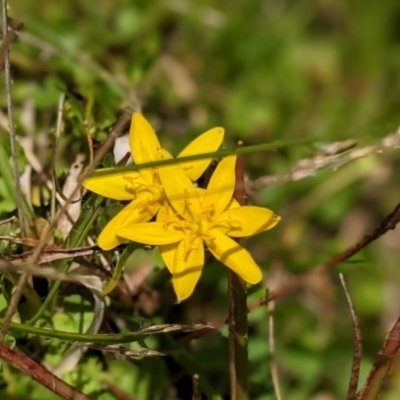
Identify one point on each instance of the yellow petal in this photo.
(152, 233)
(131, 214)
(234, 256)
(143, 140)
(246, 221)
(188, 264)
(233, 204)
(166, 213)
(205, 143)
(168, 255)
(179, 189)
(221, 186)
(113, 186)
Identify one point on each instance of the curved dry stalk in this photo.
(271, 341)
(355, 368)
(381, 368)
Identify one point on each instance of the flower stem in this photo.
(238, 361)
(237, 319)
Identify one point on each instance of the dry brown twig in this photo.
(49, 254)
(296, 282)
(40, 374)
(116, 391)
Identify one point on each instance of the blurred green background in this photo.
(265, 70)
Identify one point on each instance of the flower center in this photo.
(157, 192)
(199, 227)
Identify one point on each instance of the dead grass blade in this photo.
(382, 365)
(118, 349)
(50, 255)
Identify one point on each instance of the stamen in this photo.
(208, 237)
(188, 250)
(133, 181)
(208, 211)
(234, 223)
(175, 224)
(155, 175)
(189, 246)
(145, 206)
(231, 223)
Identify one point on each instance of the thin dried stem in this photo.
(117, 392)
(237, 318)
(6, 221)
(355, 368)
(271, 341)
(196, 387)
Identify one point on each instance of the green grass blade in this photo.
(118, 269)
(9, 181)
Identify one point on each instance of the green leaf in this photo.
(8, 177)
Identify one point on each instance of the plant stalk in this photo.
(237, 319)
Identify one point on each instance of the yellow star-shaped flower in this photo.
(197, 217)
(144, 188)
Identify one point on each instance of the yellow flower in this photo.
(144, 187)
(198, 217)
